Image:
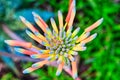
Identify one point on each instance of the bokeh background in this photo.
(101, 60)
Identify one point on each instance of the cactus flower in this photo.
(61, 44)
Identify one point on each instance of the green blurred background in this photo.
(101, 60)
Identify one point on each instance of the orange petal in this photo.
(90, 38)
(40, 64)
(28, 24)
(83, 36)
(44, 51)
(19, 43)
(71, 7)
(40, 55)
(74, 69)
(71, 57)
(70, 23)
(33, 36)
(70, 1)
(40, 25)
(60, 67)
(97, 23)
(54, 25)
(40, 36)
(80, 45)
(60, 18)
(24, 51)
(40, 20)
(79, 48)
(30, 69)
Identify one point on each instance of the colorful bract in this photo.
(61, 43)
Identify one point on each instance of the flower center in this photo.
(62, 46)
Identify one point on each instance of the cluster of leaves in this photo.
(102, 57)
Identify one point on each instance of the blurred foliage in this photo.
(9, 76)
(102, 54)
